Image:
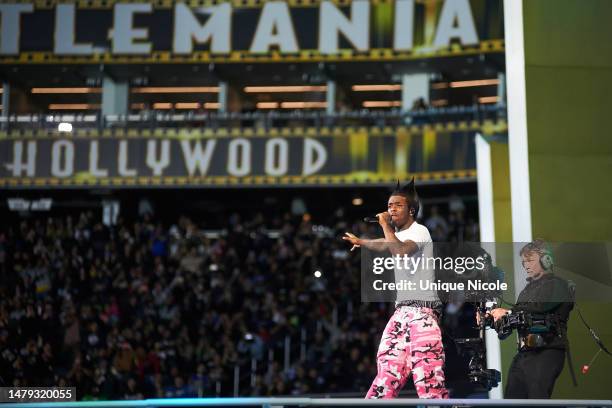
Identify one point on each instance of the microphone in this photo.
(370, 219)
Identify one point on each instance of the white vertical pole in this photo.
(223, 96)
(330, 97)
(115, 95)
(517, 131)
(414, 86)
(501, 88)
(484, 177)
(6, 99)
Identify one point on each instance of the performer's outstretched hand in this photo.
(353, 239)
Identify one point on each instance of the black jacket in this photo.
(549, 295)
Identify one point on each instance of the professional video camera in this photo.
(474, 349)
(470, 344)
(531, 326)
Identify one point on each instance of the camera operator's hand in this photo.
(478, 317)
(498, 313)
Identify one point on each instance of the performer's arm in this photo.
(394, 245)
(390, 242)
(373, 244)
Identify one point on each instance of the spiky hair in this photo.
(408, 191)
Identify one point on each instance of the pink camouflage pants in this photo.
(411, 342)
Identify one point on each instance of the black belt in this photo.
(435, 305)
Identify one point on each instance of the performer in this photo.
(541, 355)
(412, 340)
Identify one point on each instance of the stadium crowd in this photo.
(141, 310)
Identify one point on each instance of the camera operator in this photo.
(541, 355)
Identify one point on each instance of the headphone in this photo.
(546, 259)
(545, 254)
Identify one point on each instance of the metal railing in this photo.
(257, 119)
(290, 351)
(315, 402)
